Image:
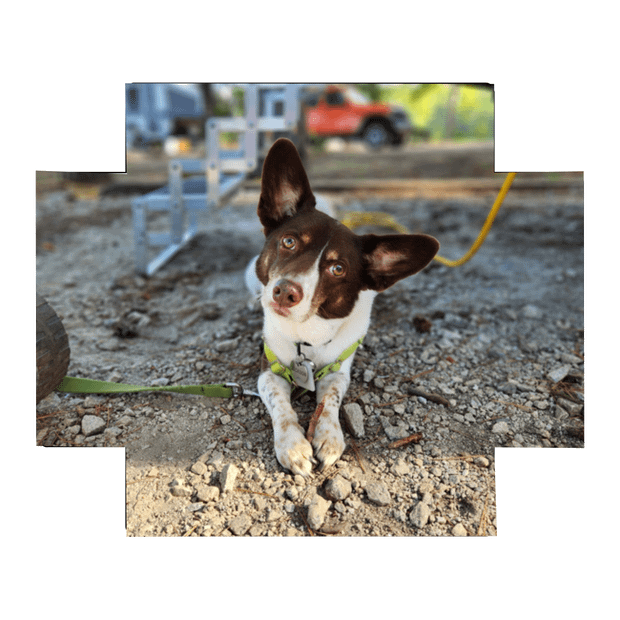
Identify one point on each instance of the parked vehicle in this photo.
(346, 113)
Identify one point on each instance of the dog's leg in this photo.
(328, 440)
(293, 451)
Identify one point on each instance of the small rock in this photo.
(507, 388)
(557, 374)
(207, 493)
(369, 375)
(112, 431)
(115, 377)
(240, 525)
(354, 418)
(228, 476)
(459, 530)
(92, 425)
(569, 358)
(226, 345)
(481, 461)
(198, 468)
(570, 406)
(419, 515)
(338, 488)
(378, 494)
(429, 355)
(532, 312)
(178, 489)
(160, 382)
(501, 428)
(401, 467)
(317, 510)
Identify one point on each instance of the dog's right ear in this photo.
(285, 189)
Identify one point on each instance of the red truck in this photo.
(346, 113)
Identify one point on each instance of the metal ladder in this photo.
(196, 185)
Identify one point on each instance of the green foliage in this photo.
(428, 106)
(372, 91)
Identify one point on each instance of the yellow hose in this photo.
(356, 219)
(485, 229)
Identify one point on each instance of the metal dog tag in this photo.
(303, 373)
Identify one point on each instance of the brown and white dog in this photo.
(316, 281)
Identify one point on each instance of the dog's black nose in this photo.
(287, 293)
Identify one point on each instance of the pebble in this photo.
(354, 417)
(557, 374)
(459, 530)
(378, 494)
(92, 425)
(227, 345)
(178, 489)
(501, 428)
(338, 488)
(240, 525)
(419, 515)
(206, 493)
(481, 461)
(228, 476)
(401, 467)
(317, 511)
(198, 468)
(532, 312)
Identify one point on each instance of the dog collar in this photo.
(286, 372)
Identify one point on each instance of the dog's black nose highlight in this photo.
(287, 293)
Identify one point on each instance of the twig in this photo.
(300, 513)
(356, 451)
(484, 511)
(415, 438)
(509, 404)
(421, 374)
(434, 398)
(190, 531)
(314, 419)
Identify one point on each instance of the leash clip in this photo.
(238, 391)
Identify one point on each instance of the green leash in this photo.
(75, 385)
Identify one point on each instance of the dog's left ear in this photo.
(285, 189)
(390, 258)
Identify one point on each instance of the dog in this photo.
(316, 281)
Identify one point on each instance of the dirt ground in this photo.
(490, 354)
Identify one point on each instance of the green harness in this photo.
(286, 372)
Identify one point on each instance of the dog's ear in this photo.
(285, 189)
(389, 258)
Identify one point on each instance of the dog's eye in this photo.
(336, 270)
(289, 243)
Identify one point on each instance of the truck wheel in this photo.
(52, 349)
(376, 135)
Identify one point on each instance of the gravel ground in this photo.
(488, 354)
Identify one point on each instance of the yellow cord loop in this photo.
(357, 219)
(485, 229)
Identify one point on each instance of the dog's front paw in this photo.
(328, 441)
(293, 451)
